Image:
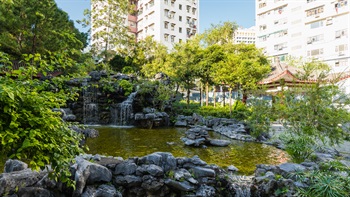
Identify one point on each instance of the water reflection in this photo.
(130, 142)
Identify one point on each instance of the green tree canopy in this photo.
(30, 26)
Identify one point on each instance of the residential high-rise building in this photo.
(315, 29)
(167, 21)
(244, 35)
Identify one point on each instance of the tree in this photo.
(109, 30)
(211, 56)
(183, 61)
(29, 27)
(243, 67)
(221, 33)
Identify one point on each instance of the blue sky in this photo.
(211, 11)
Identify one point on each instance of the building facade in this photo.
(244, 35)
(167, 21)
(315, 29)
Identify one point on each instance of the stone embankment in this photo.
(157, 174)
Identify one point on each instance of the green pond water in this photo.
(131, 142)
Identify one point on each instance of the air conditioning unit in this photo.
(280, 48)
(309, 41)
(317, 16)
(341, 53)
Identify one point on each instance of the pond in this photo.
(130, 142)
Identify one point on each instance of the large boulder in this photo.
(9, 182)
(14, 165)
(89, 173)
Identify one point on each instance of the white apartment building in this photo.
(167, 21)
(315, 29)
(244, 35)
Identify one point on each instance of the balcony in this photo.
(132, 18)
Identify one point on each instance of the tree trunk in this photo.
(188, 97)
(223, 96)
(230, 96)
(200, 95)
(214, 95)
(206, 94)
(244, 97)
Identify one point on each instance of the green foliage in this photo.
(127, 86)
(299, 147)
(30, 26)
(259, 116)
(325, 184)
(181, 107)
(29, 129)
(127, 70)
(240, 111)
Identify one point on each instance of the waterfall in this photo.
(242, 185)
(122, 113)
(90, 108)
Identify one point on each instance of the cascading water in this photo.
(122, 113)
(242, 185)
(91, 115)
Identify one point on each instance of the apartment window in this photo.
(180, 7)
(172, 26)
(315, 52)
(316, 24)
(166, 2)
(341, 48)
(166, 12)
(313, 39)
(180, 29)
(261, 5)
(172, 38)
(341, 33)
(263, 27)
(188, 8)
(151, 3)
(180, 40)
(180, 18)
(315, 11)
(194, 11)
(309, 1)
(172, 3)
(140, 11)
(341, 63)
(166, 25)
(188, 20)
(280, 47)
(166, 37)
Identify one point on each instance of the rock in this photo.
(34, 192)
(125, 168)
(151, 169)
(162, 159)
(14, 165)
(205, 191)
(197, 161)
(89, 173)
(180, 123)
(128, 180)
(107, 191)
(203, 172)
(24, 178)
(151, 183)
(222, 143)
(182, 186)
(287, 168)
(232, 168)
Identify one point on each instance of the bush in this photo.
(29, 129)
